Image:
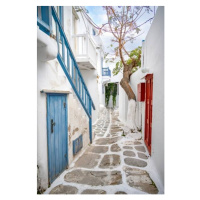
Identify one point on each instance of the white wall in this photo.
(51, 76)
(123, 104)
(68, 25)
(154, 61)
(90, 78)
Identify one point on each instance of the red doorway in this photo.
(148, 110)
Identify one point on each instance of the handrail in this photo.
(70, 68)
(54, 14)
(67, 60)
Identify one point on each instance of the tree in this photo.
(122, 23)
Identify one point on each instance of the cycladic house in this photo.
(69, 62)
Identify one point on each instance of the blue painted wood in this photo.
(43, 26)
(68, 46)
(72, 84)
(72, 70)
(48, 29)
(58, 140)
(50, 21)
(75, 80)
(71, 73)
(61, 15)
(63, 50)
(90, 121)
(82, 92)
(77, 144)
(57, 38)
(68, 67)
(106, 71)
(79, 85)
(45, 14)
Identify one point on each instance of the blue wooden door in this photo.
(57, 135)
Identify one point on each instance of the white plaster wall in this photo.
(68, 25)
(90, 78)
(123, 104)
(154, 61)
(136, 78)
(51, 76)
(116, 78)
(78, 124)
(103, 96)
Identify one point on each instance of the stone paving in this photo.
(113, 164)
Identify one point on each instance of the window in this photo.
(43, 13)
(93, 32)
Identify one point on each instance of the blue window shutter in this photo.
(45, 14)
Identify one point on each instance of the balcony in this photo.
(85, 51)
(49, 21)
(106, 72)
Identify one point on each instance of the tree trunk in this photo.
(130, 121)
(126, 86)
(126, 75)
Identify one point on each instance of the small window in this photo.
(93, 32)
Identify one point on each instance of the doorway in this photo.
(148, 110)
(57, 135)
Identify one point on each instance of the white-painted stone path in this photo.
(113, 164)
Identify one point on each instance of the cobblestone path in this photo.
(113, 164)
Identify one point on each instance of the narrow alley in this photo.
(116, 163)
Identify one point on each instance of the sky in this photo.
(98, 15)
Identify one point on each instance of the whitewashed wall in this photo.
(154, 62)
(123, 104)
(51, 76)
(78, 123)
(90, 77)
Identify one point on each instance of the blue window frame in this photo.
(93, 32)
(44, 18)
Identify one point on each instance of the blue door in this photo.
(57, 134)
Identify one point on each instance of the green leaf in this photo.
(117, 64)
(129, 61)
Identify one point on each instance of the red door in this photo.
(148, 110)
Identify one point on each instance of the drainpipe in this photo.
(143, 59)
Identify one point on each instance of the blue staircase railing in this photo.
(106, 71)
(46, 17)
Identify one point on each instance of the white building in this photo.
(148, 85)
(108, 77)
(69, 76)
